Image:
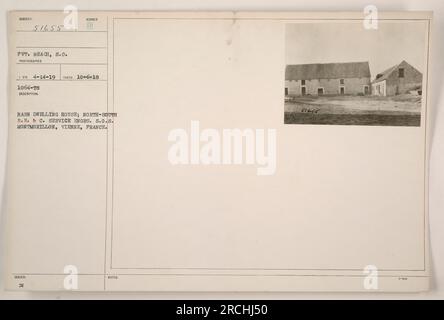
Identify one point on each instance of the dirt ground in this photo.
(401, 104)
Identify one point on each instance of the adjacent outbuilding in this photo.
(399, 79)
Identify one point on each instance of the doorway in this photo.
(366, 90)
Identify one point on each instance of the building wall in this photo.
(412, 78)
(352, 86)
(392, 89)
(379, 88)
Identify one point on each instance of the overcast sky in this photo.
(387, 46)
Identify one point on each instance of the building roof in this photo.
(327, 71)
(386, 73)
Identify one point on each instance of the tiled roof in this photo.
(327, 71)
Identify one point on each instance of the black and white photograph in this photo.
(346, 74)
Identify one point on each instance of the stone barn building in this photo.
(398, 79)
(351, 78)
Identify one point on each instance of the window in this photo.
(286, 91)
(302, 82)
(341, 81)
(401, 72)
(320, 91)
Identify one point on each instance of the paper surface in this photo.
(124, 172)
